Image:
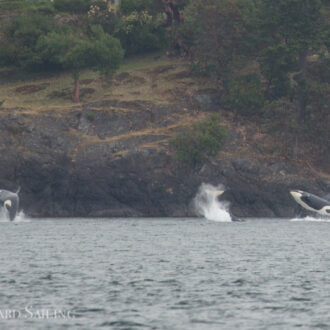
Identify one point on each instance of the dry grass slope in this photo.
(152, 78)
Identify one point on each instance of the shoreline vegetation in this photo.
(146, 101)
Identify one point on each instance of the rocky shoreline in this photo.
(111, 159)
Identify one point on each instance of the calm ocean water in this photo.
(164, 274)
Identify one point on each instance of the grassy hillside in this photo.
(146, 78)
(154, 80)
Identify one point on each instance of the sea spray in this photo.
(311, 219)
(4, 217)
(20, 216)
(206, 203)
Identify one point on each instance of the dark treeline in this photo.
(269, 59)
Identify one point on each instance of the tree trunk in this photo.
(172, 12)
(77, 90)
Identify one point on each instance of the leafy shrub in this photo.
(72, 6)
(67, 48)
(20, 37)
(140, 32)
(100, 14)
(246, 95)
(129, 6)
(205, 138)
(90, 116)
(12, 5)
(37, 6)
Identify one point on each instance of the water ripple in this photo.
(164, 274)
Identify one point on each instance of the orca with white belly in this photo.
(9, 201)
(311, 202)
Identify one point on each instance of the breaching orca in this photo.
(311, 202)
(9, 200)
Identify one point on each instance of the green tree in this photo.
(100, 13)
(72, 50)
(26, 7)
(291, 30)
(129, 6)
(72, 6)
(141, 32)
(277, 61)
(218, 29)
(20, 38)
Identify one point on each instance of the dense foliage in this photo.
(68, 49)
(141, 32)
(72, 6)
(20, 38)
(204, 139)
(264, 53)
(260, 54)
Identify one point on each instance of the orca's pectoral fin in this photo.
(298, 211)
(301, 212)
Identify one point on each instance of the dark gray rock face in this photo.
(98, 160)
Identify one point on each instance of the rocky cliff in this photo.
(111, 158)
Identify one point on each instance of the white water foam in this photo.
(310, 219)
(207, 204)
(4, 217)
(20, 216)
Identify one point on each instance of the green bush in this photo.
(40, 6)
(99, 14)
(205, 138)
(72, 6)
(20, 37)
(12, 5)
(90, 116)
(129, 6)
(246, 95)
(68, 48)
(140, 32)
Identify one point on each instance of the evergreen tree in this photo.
(290, 30)
(218, 30)
(72, 50)
(20, 37)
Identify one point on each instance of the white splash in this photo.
(4, 216)
(206, 204)
(20, 216)
(310, 219)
